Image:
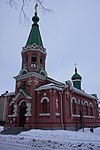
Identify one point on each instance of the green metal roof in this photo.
(25, 93)
(35, 36)
(76, 75)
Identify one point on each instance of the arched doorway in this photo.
(22, 112)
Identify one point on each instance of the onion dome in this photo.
(76, 75)
(76, 79)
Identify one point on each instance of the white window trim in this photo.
(75, 115)
(86, 103)
(44, 114)
(57, 114)
(89, 116)
(42, 99)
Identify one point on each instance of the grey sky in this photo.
(71, 34)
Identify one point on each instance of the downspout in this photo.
(62, 125)
(94, 112)
(4, 111)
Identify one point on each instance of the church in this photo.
(42, 102)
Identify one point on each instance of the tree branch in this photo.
(23, 14)
(12, 3)
(44, 8)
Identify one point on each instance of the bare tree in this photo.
(25, 3)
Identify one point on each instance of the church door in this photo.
(22, 112)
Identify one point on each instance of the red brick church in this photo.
(42, 102)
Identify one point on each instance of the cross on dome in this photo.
(36, 6)
(75, 65)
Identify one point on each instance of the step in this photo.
(13, 130)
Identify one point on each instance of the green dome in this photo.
(76, 75)
(35, 36)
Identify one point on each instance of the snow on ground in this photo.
(1, 128)
(52, 139)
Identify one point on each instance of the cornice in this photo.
(28, 75)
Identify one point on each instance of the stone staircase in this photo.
(13, 130)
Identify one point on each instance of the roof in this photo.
(35, 36)
(76, 75)
(60, 84)
(49, 86)
(25, 93)
(83, 93)
(8, 94)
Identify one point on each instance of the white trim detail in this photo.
(42, 99)
(89, 116)
(30, 74)
(56, 103)
(15, 110)
(44, 114)
(57, 114)
(28, 109)
(91, 104)
(83, 116)
(23, 70)
(85, 103)
(21, 102)
(16, 97)
(11, 103)
(75, 115)
(73, 98)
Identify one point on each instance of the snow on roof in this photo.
(8, 94)
(83, 93)
(49, 86)
(55, 82)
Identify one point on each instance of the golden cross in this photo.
(36, 6)
(75, 65)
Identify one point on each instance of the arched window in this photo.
(44, 106)
(41, 62)
(74, 106)
(86, 108)
(12, 109)
(91, 109)
(34, 60)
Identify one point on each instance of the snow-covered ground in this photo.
(52, 140)
(1, 128)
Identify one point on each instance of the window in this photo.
(44, 106)
(74, 106)
(12, 109)
(86, 109)
(91, 110)
(34, 59)
(41, 61)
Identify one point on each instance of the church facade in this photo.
(42, 102)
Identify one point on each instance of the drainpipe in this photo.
(4, 108)
(62, 125)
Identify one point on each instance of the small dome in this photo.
(35, 18)
(76, 75)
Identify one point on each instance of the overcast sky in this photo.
(70, 34)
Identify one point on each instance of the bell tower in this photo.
(34, 53)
